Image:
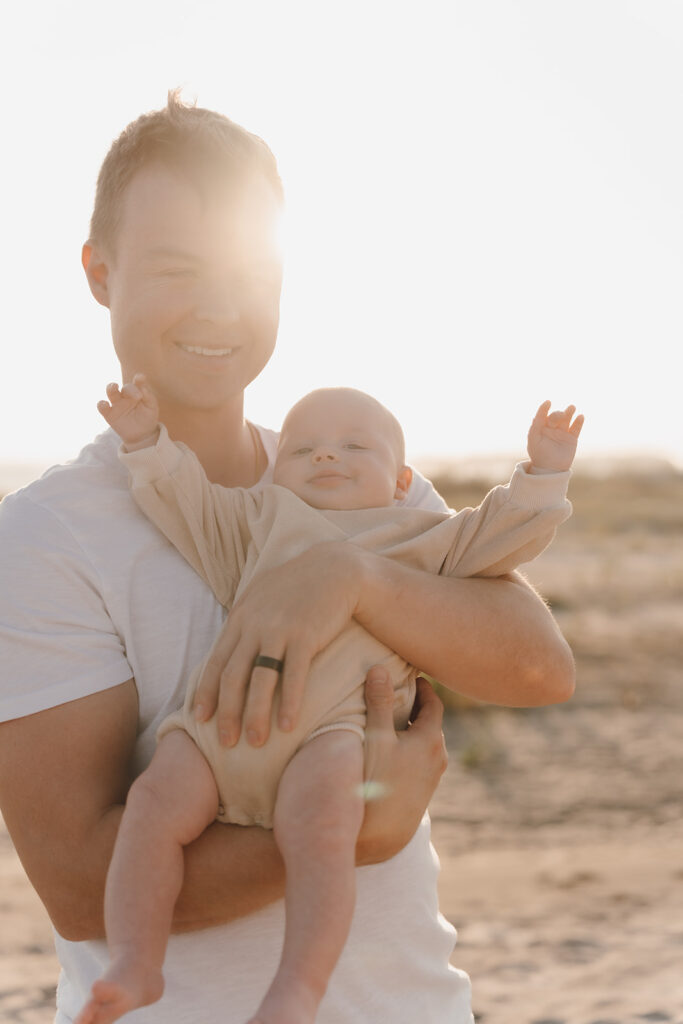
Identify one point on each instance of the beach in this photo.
(559, 830)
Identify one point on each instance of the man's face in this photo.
(338, 453)
(193, 288)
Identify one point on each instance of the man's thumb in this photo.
(379, 698)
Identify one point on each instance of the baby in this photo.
(339, 475)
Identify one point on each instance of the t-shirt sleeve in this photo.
(57, 640)
(422, 494)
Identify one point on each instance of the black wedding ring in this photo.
(263, 661)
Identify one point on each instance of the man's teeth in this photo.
(206, 351)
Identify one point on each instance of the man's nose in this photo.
(216, 303)
(324, 453)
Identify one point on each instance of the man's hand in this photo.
(552, 438)
(402, 770)
(133, 412)
(287, 614)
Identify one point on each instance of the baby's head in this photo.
(341, 449)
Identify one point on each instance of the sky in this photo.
(484, 206)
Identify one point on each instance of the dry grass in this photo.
(613, 578)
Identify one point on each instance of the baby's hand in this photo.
(552, 438)
(133, 412)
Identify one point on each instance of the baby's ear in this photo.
(403, 482)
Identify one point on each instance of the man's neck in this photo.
(228, 449)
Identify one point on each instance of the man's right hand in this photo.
(402, 770)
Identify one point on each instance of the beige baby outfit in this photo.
(230, 535)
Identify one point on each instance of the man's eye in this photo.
(177, 272)
(258, 273)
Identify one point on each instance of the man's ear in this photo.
(403, 482)
(96, 271)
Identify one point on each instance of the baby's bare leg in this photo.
(168, 806)
(318, 814)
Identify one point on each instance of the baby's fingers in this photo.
(559, 420)
(576, 426)
(132, 392)
(540, 418)
(144, 390)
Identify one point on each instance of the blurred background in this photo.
(484, 211)
(484, 205)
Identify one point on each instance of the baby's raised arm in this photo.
(552, 438)
(133, 412)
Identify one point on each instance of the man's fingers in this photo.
(259, 705)
(232, 694)
(427, 726)
(379, 700)
(428, 709)
(380, 735)
(205, 699)
(294, 677)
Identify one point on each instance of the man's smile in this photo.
(200, 350)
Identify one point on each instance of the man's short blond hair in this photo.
(207, 147)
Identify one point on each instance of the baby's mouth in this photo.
(329, 474)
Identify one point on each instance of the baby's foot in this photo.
(126, 986)
(287, 1002)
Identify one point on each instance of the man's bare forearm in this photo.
(491, 639)
(64, 808)
(230, 872)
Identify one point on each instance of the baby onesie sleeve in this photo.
(207, 523)
(513, 524)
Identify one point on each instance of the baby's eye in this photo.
(302, 451)
(355, 447)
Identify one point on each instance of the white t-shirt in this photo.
(91, 594)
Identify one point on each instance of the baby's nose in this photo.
(324, 454)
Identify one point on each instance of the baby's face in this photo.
(339, 452)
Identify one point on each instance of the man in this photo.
(100, 621)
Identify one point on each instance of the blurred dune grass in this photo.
(613, 578)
